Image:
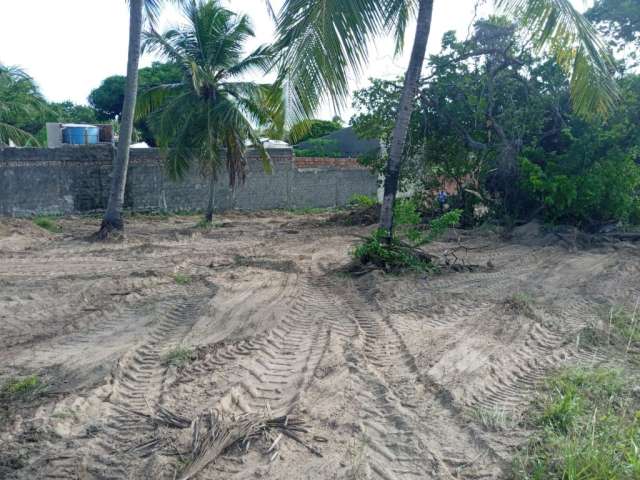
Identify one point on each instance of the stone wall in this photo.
(76, 179)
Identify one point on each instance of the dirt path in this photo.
(396, 377)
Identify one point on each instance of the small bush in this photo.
(182, 279)
(395, 257)
(588, 428)
(359, 200)
(400, 254)
(22, 388)
(48, 223)
(178, 357)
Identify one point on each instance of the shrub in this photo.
(48, 223)
(602, 192)
(402, 253)
(182, 279)
(359, 200)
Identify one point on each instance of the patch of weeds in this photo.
(182, 279)
(25, 388)
(364, 201)
(179, 356)
(63, 414)
(588, 427)
(627, 324)
(617, 327)
(494, 419)
(204, 224)
(48, 223)
(520, 302)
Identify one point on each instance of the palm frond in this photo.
(209, 111)
(322, 42)
(557, 26)
(10, 133)
(398, 14)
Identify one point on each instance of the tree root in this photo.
(110, 231)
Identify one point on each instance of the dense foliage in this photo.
(108, 98)
(498, 123)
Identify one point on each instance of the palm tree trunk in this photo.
(112, 220)
(410, 89)
(212, 194)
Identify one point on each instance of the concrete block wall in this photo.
(76, 179)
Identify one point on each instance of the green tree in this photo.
(22, 107)
(108, 98)
(314, 128)
(69, 112)
(321, 42)
(208, 117)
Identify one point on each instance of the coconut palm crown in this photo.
(212, 115)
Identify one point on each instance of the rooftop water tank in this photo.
(76, 134)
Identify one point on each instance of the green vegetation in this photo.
(402, 253)
(494, 419)
(362, 201)
(204, 224)
(48, 223)
(182, 279)
(178, 357)
(588, 428)
(500, 126)
(24, 388)
(626, 325)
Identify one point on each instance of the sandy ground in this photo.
(394, 377)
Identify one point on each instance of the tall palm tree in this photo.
(323, 41)
(112, 221)
(212, 115)
(19, 99)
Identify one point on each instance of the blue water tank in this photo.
(80, 134)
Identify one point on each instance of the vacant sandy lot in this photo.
(394, 377)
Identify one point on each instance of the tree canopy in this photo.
(498, 121)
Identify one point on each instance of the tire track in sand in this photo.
(137, 382)
(275, 369)
(399, 414)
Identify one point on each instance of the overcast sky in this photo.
(70, 46)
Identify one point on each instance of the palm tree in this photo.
(112, 221)
(19, 100)
(323, 41)
(212, 115)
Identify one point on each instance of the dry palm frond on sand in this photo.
(213, 434)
